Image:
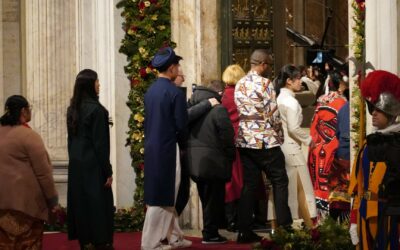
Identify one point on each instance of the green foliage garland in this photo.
(358, 47)
(147, 27)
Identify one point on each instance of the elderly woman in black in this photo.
(90, 198)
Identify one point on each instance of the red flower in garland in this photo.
(61, 216)
(165, 44)
(133, 28)
(143, 72)
(266, 243)
(134, 82)
(153, 1)
(141, 166)
(361, 4)
(315, 234)
(141, 5)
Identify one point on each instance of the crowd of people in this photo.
(223, 138)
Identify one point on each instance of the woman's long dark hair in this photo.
(84, 88)
(288, 71)
(12, 110)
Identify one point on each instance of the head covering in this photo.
(381, 90)
(164, 58)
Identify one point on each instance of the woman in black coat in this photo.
(90, 198)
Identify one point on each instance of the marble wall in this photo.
(60, 38)
(1, 62)
(48, 73)
(50, 68)
(195, 29)
(10, 81)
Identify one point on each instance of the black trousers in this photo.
(272, 161)
(212, 196)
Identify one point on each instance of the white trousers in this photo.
(161, 223)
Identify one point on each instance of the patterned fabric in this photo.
(320, 159)
(260, 122)
(19, 231)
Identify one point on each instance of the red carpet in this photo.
(125, 241)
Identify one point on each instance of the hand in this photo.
(312, 144)
(354, 234)
(310, 72)
(109, 182)
(213, 102)
(110, 121)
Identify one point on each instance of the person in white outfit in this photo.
(301, 193)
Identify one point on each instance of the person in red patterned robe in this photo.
(325, 175)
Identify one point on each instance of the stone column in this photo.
(352, 73)
(125, 175)
(279, 40)
(298, 19)
(381, 37)
(98, 39)
(49, 69)
(10, 50)
(381, 34)
(195, 29)
(1, 62)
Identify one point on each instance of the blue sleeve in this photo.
(343, 132)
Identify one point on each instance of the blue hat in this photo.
(164, 58)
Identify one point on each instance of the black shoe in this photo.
(248, 237)
(232, 227)
(259, 227)
(214, 240)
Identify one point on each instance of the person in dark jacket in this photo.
(90, 200)
(210, 154)
(194, 112)
(165, 123)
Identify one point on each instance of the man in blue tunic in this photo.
(165, 123)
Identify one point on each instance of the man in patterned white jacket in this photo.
(259, 138)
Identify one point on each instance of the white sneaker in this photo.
(182, 243)
(160, 247)
(166, 247)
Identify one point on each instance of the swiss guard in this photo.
(375, 178)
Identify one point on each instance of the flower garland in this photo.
(329, 235)
(358, 109)
(147, 29)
